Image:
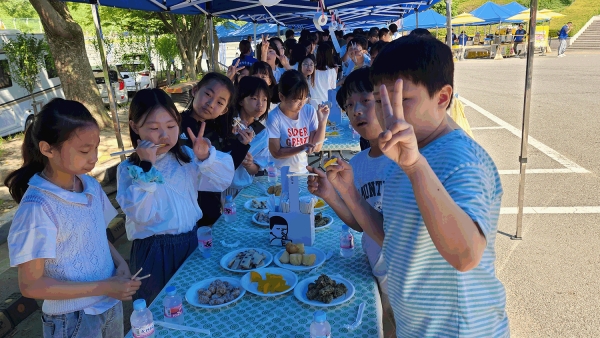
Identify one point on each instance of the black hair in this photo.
(360, 41)
(339, 34)
(293, 85)
(289, 34)
(324, 57)
(276, 38)
(325, 32)
(383, 32)
(236, 79)
(145, 102)
(349, 35)
(261, 67)
(298, 52)
(374, 29)
(304, 35)
(273, 46)
(378, 47)
(56, 123)
(358, 31)
(373, 33)
(359, 81)
(420, 32)
(314, 38)
(393, 28)
(289, 44)
(219, 78)
(422, 60)
(250, 86)
(312, 77)
(245, 48)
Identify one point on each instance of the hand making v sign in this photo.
(398, 142)
(201, 144)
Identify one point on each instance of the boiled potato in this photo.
(309, 260)
(285, 258)
(296, 259)
(300, 248)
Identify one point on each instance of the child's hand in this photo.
(322, 113)
(248, 161)
(264, 47)
(122, 288)
(201, 144)
(320, 185)
(232, 70)
(146, 151)
(341, 176)
(123, 271)
(398, 141)
(285, 62)
(246, 136)
(308, 147)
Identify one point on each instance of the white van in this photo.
(16, 106)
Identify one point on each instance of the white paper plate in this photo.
(192, 293)
(248, 204)
(290, 279)
(307, 250)
(328, 223)
(228, 257)
(255, 220)
(302, 288)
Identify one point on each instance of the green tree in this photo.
(25, 55)
(166, 48)
(65, 39)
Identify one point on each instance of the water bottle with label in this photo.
(320, 327)
(272, 172)
(229, 211)
(173, 306)
(142, 323)
(204, 240)
(346, 242)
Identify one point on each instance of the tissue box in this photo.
(293, 226)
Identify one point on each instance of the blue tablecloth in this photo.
(344, 141)
(281, 316)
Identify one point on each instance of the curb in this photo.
(105, 174)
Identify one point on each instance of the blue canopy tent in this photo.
(427, 19)
(514, 8)
(248, 29)
(492, 13)
(225, 30)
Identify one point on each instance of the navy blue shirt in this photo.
(563, 32)
(519, 35)
(247, 62)
(462, 39)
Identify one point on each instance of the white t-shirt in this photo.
(324, 81)
(369, 179)
(277, 72)
(293, 133)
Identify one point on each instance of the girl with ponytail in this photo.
(58, 235)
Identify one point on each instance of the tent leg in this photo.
(417, 17)
(254, 41)
(526, 111)
(278, 31)
(109, 89)
(213, 65)
(449, 23)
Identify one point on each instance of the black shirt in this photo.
(216, 132)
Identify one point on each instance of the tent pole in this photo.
(526, 111)
(213, 65)
(278, 31)
(109, 88)
(417, 17)
(449, 23)
(254, 41)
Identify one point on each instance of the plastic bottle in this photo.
(346, 242)
(229, 209)
(142, 323)
(204, 234)
(320, 327)
(173, 306)
(272, 172)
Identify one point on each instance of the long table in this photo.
(345, 141)
(280, 316)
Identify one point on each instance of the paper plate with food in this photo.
(269, 282)
(259, 204)
(215, 292)
(244, 260)
(297, 257)
(324, 291)
(274, 190)
(322, 221)
(261, 218)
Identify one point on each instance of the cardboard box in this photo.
(6, 326)
(293, 226)
(18, 308)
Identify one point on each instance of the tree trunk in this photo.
(65, 39)
(188, 31)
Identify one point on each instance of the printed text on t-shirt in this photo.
(297, 136)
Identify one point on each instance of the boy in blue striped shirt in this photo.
(441, 201)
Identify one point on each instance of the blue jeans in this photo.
(79, 325)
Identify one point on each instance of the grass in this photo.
(579, 13)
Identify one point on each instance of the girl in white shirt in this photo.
(158, 188)
(58, 235)
(325, 73)
(252, 104)
(295, 128)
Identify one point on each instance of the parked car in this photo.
(16, 106)
(137, 76)
(117, 82)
